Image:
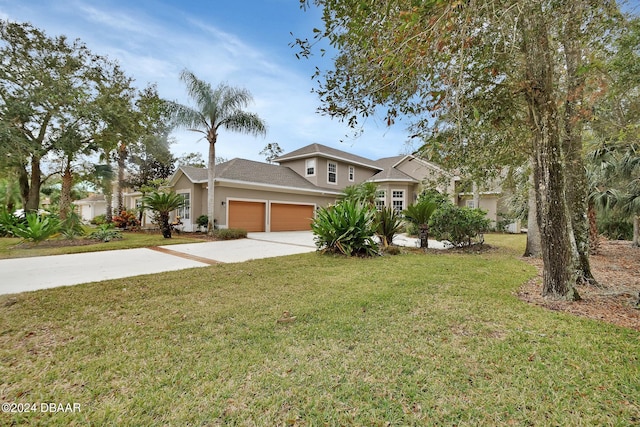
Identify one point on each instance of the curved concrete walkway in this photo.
(30, 274)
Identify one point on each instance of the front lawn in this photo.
(437, 339)
(11, 247)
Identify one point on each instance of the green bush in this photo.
(99, 219)
(460, 226)
(202, 221)
(105, 233)
(36, 228)
(615, 228)
(388, 223)
(230, 233)
(7, 222)
(347, 228)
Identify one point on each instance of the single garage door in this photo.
(286, 217)
(247, 215)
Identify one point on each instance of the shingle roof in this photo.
(195, 174)
(263, 173)
(324, 151)
(389, 172)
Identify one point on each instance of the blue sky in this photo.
(243, 43)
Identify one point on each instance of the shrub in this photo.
(230, 233)
(202, 221)
(460, 226)
(388, 223)
(105, 233)
(347, 228)
(36, 228)
(615, 228)
(99, 219)
(72, 226)
(127, 220)
(7, 222)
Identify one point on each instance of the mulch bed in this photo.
(617, 270)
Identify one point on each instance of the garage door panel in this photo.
(249, 216)
(290, 217)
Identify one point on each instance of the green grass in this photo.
(413, 339)
(12, 248)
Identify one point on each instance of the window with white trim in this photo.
(332, 173)
(397, 200)
(381, 198)
(310, 167)
(352, 173)
(184, 211)
(471, 204)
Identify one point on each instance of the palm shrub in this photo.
(347, 227)
(460, 226)
(36, 228)
(388, 223)
(419, 215)
(72, 227)
(162, 204)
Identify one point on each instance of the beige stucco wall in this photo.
(321, 177)
(424, 172)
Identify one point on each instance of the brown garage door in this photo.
(286, 217)
(247, 215)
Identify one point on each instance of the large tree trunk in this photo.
(65, 192)
(33, 198)
(577, 191)
(23, 183)
(210, 182)
(534, 246)
(636, 231)
(559, 272)
(122, 156)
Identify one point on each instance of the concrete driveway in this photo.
(30, 274)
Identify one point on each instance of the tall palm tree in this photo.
(215, 108)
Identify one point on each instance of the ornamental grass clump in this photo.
(346, 228)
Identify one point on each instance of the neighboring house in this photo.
(96, 204)
(90, 207)
(283, 197)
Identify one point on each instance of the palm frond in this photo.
(243, 122)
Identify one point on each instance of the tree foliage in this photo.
(484, 82)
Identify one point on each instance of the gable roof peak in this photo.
(319, 150)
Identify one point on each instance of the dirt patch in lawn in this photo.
(617, 270)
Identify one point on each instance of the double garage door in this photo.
(251, 216)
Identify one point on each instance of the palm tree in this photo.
(163, 204)
(217, 108)
(419, 214)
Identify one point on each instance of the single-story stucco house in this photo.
(259, 196)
